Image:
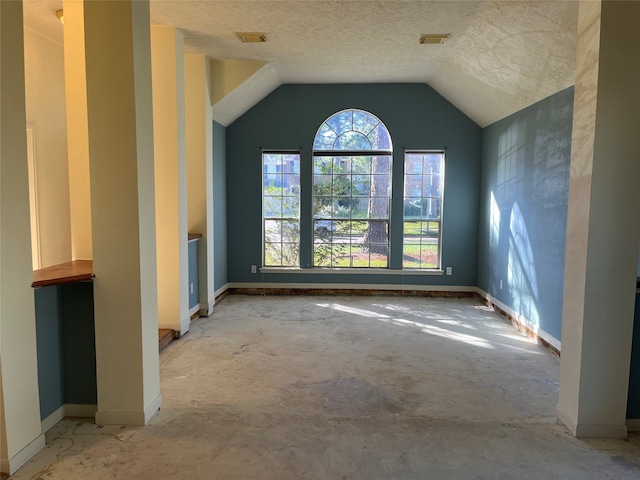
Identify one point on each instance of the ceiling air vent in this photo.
(252, 37)
(433, 39)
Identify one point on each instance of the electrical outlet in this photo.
(254, 269)
(449, 270)
(500, 284)
(191, 287)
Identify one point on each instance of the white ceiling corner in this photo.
(246, 95)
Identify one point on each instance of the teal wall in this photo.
(417, 118)
(220, 278)
(524, 199)
(49, 347)
(65, 342)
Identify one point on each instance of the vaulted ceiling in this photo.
(502, 56)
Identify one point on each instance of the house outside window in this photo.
(281, 209)
(423, 194)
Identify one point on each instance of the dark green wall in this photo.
(220, 277)
(417, 118)
(525, 170)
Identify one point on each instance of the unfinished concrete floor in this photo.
(344, 388)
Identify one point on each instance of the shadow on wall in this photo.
(526, 163)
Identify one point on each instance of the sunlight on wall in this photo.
(494, 233)
(522, 281)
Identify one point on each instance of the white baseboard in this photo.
(12, 464)
(581, 430)
(633, 424)
(206, 308)
(220, 291)
(129, 418)
(52, 419)
(153, 407)
(80, 410)
(194, 310)
(184, 326)
(179, 329)
(352, 286)
(522, 320)
(68, 410)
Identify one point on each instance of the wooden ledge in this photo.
(76, 271)
(194, 236)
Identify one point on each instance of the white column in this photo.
(167, 59)
(200, 171)
(119, 106)
(603, 225)
(20, 431)
(77, 130)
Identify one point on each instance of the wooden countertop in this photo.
(194, 236)
(76, 271)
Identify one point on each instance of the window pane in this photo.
(353, 140)
(379, 138)
(341, 122)
(381, 164)
(412, 185)
(361, 185)
(322, 165)
(422, 210)
(281, 209)
(351, 194)
(361, 165)
(272, 207)
(325, 138)
(271, 183)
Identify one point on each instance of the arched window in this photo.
(352, 156)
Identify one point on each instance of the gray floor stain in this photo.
(344, 387)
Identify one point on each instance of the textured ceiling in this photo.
(501, 57)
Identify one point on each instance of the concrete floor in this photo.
(344, 388)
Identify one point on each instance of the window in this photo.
(281, 209)
(423, 186)
(351, 191)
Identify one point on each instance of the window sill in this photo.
(350, 271)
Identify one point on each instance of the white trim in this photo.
(633, 424)
(34, 202)
(206, 308)
(184, 326)
(220, 291)
(52, 419)
(566, 420)
(129, 418)
(193, 310)
(153, 407)
(350, 271)
(522, 320)
(80, 410)
(12, 465)
(581, 430)
(68, 410)
(354, 286)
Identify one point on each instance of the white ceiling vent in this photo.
(252, 37)
(433, 39)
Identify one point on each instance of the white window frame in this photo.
(424, 238)
(287, 192)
